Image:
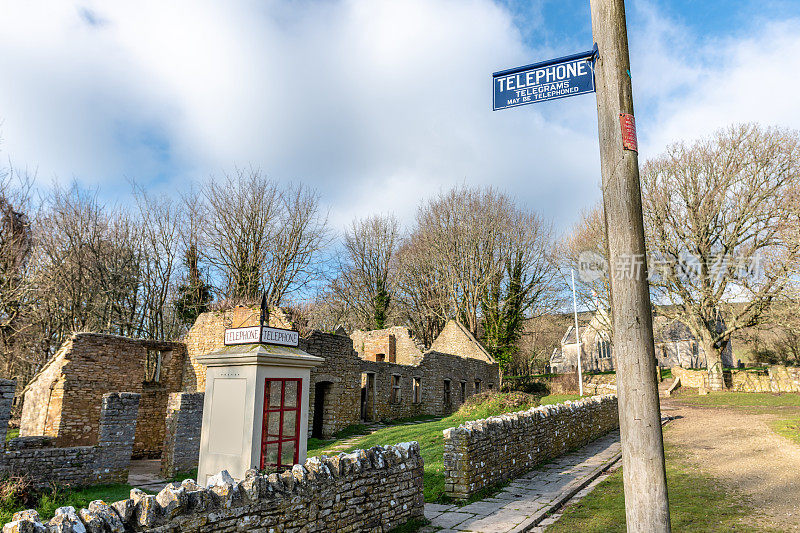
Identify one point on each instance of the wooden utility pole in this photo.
(644, 476)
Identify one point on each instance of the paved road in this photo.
(526, 501)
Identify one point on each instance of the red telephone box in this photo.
(280, 432)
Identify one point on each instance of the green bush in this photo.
(16, 493)
(536, 388)
(491, 403)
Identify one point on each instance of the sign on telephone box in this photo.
(262, 334)
(548, 80)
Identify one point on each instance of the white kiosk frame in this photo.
(234, 414)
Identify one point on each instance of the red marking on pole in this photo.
(628, 126)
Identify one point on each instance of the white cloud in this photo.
(691, 86)
(377, 104)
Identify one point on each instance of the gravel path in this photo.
(741, 450)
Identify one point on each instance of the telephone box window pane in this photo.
(287, 454)
(275, 393)
(289, 423)
(271, 453)
(290, 394)
(274, 425)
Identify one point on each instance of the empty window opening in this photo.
(417, 390)
(395, 389)
(152, 366)
(392, 349)
(446, 392)
(477, 386)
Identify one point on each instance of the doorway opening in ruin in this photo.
(367, 396)
(322, 395)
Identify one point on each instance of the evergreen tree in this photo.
(194, 296)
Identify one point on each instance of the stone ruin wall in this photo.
(485, 452)
(208, 334)
(434, 369)
(341, 371)
(368, 490)
(456, 339)
(595, 384)
(184, 420)
(63, 401)
(395, 340)
(340, 378)
(43, 397)
(777, 379)
(106, 462)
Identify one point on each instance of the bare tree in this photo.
(194, 292)
(16, 287)
(294, 260)
(587, 242)
(241, 212)
(364, 282)
(708, 206)
(87, 267)
(526, 286)
(160, 224)
(259, 237)
(475, 256)
(462, 230)
(423, 297)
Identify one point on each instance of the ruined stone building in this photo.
(398, 380)
(63, 400)
(374, 375)
(675, 345)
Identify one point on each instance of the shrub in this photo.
(564, 383)
(16, 492)
(536, 388)
(490, 403)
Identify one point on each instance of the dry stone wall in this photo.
(485, 452)
(182, 438)
(776, 378)
(106, 462)
(368, 490)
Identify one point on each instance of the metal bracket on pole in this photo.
(263, 318)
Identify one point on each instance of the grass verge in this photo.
(697, 503)
(741, 399)
(785, 405)
(430, 438)
(46, 502)
(789, 428)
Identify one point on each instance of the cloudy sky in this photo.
(376, 104)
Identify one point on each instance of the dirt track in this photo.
(741, 450)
